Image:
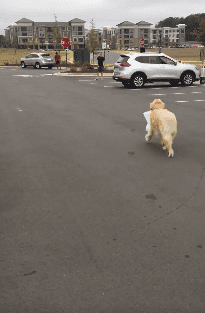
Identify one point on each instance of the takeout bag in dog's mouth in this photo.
(146, 115)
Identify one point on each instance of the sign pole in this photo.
(66, 57)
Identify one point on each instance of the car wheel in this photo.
(50, 66)
(174, 83)
(23, 65)
(138, 81)
(37, 65)
(187, 79)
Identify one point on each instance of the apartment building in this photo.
(126, 35)
(25, 33)
(168, 36)
(144, 31)
(109, 36)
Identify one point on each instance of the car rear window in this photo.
(45, 55)
(123, 58)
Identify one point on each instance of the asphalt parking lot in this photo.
(93, 218)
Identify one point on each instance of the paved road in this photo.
(93, 218)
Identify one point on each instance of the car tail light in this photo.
(126, 64)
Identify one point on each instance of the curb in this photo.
(83, 74)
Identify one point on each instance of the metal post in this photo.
(66, 57)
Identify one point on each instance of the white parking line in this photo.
(46, 74)
(196, 92)
(199, 100)
(156, 88)
(86, 80)
(182, 101)
(109, 86)
(24, 75)
(178, 93)
(157, 94)
(174, 87)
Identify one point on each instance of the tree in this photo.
(93, 40)
(170, 22)
(200, 33)
(56, 35)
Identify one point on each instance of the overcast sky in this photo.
(103, 12)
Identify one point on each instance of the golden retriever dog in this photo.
(162, 123)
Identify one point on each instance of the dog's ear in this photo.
(157, 104)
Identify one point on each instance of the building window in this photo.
(24, 40)
(24, 29)
(80, 39)
(24, 34)
(126, 31)
(75, 39)
(49, 29)
(126, 36)
(182, 31)
(146, 31)
(80, 28)
(126, 41)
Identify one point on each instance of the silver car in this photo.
(38, 60)
(136, 69)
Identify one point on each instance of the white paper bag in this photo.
(146, 115)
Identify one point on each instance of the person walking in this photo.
(57, 59)
(100, 59)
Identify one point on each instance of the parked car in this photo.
(136, 69)
(38, 60)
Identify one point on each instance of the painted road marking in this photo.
(181, 101)
(199, 100)
(156, 88)
(178, 93)
(157, 94)
(109, 86)
(24, 75)
(196, 92)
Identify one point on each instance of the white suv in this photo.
(38, 60)
(136, 69)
